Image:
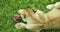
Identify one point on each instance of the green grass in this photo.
(10, 7)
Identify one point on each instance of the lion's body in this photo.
(40, 20)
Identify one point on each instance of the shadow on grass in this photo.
(44, 30)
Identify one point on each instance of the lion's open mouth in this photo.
(18, 18)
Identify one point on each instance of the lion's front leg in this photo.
(20, 25)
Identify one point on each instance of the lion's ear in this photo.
(34, 10)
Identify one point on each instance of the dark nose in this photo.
(17, 18)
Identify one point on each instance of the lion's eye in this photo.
(24, 16)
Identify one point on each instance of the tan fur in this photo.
(54, 17)
(39, 20)
(33, 20)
